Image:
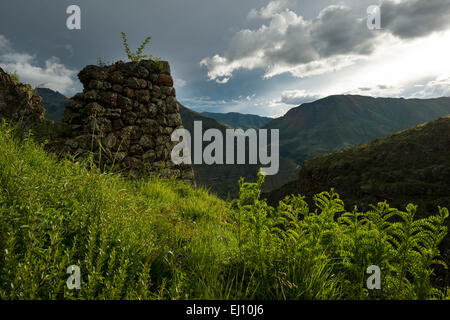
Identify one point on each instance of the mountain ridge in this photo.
(311, 129)
(342, 121)
(54, 102)
(407, 153)
(239, 120)
(223, 179)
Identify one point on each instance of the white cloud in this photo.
(397, 67)
(440, 87)
(313, 68)
(53, 74)
(179, 83)
(297, 97)
(268, 11)
(250, 104)
(337, 38)
(289, 43)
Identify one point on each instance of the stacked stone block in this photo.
(125, 117)
(19, 103)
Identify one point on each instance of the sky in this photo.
(250, 56)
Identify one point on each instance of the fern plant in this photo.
(295, 252)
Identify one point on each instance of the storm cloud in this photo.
(415, 18)
(336, 38)
(290, 43)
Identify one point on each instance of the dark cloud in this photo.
(289, 40)
(339, 30)
(246, 40)
(334, 39)
(182, 31)
(415, 18)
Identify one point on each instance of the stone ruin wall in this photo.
(125, 116)
(18, 103)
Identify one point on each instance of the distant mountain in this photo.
(312, 129)
(410, 166)
(343, 121)
(54, 103)
(223, 179)
(188, 117)
(239, 120)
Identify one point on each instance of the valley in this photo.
(309, 130)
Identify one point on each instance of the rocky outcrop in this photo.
(19, 103)
(125, 117)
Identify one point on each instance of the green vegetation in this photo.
(138, 55)
(410, 165)
(163, 239)
(127, 236)
(343, 121)
(15, 76)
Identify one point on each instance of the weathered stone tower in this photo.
(125, 117)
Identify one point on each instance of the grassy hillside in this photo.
(239, 120)
(343, 121)
(57, 213)
(162, 239)
(410, 165)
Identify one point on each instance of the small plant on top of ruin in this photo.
(138, 55)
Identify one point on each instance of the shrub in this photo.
(15, 76)
(294, 253)
(138, 55)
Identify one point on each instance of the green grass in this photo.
(162, 239)
(57, 213)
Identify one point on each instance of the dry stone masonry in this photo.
(125, 117)
(19, 103)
